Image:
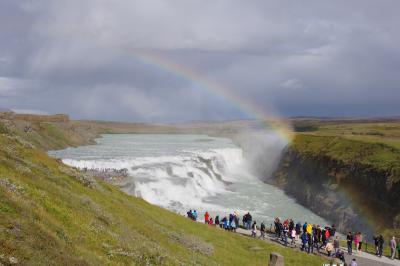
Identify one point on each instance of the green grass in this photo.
(53, 214)
(376, 154)
(50, 136)
(385, 133)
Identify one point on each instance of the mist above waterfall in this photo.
(262, 150)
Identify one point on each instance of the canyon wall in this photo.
(353, 195)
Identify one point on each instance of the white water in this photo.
(182, 172)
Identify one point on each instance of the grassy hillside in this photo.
(375, 154)
(373, 144)
(53, 214)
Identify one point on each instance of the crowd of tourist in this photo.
(312, 237)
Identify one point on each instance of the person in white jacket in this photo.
(393, 248)
(254, 229)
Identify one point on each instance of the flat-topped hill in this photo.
(34, 118)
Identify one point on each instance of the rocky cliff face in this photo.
(353, 196)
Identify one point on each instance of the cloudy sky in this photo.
(84, 58)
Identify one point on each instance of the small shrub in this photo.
(3, 129)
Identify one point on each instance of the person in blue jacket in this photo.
(305, 227)
(304, 241)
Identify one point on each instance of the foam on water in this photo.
(174, 181)
(182, 172)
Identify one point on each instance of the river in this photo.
(182, 172)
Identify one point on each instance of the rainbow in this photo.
(269, 121)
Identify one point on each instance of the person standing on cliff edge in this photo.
(361, 238)
(254, 229)
(398, 249)
(349, 243)
(380, 245)
(356, 239)
(206, 218)
(393, 248)
(376, 242)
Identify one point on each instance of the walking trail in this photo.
(362, 258)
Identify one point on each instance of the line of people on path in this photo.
(312, 237)
(230, 222)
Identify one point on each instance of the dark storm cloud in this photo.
(308, 58)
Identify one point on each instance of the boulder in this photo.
(276, 259)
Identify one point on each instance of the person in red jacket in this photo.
(327, 234)
(206, 218)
